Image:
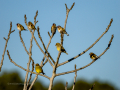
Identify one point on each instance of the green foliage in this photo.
(12, 81)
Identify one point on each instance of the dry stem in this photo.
(6, 45)
(66, 85)
(24, 68)
(74, 78)
(89, 63)
(87, 48)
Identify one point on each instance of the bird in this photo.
(20, 27)
(60, 48)
(38, 69)
(62, 30)
(53, 29)
(93, 56)
(31, 26)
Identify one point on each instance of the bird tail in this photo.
(66, 53)
(43, 73)
(67, 34)
(25, 30)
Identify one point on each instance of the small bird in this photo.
(20, 27)
(38, 69)
(93, 56)
(62, 30)
(31, 26)
(60, 48)
(53, 28)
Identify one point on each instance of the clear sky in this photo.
(86, 22)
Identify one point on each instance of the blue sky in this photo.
(86, 22)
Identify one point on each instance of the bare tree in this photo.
(53, 63)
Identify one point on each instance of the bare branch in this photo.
(35, 18)
(66, 85)
(23, 43)
(74, 78)
(4, 38)
(12, 31)
(89, 63)
(28, 64)
(31, 73)
(33, 82)
(44, 45)
(40, 48)
(49, 34)
(89, 47)
(25, 20)
(6, 45)
(24, 68)
(56, 63)
(45, 52)
(30, 50)
(92, 86)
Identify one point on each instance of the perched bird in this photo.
(31, 26)
(38, 69)
(60, 48)
(93, 56)
(53, 28)
(20, 27)
(62, 30)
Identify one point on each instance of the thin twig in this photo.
(30, 51)
(87, 48)
(6, 45)
(44, 45)
(44, 55)
(31, 73)
(49, 34)
(24, 68)
(56, 63)
(90, 62)
(28, 64)
(33, 82)
(23, 43)
(92, 86)
(66, 85)
(74, 78)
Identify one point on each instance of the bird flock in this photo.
(59, 47)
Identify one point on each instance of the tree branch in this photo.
(6, 45)
(74, 78)
(24, 68)
(66, 85)
(46, 49)
(44, 45)
(33, 82)
(23, 43)
(87, 48)
(89, 63)
(30, 51)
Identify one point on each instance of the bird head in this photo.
(58, 26)
(57, 44)
(37, 64)
(91, 53)
(17, 24)
(54, 24)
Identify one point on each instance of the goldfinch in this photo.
(31, 26)
(62, 30)
(53, 28)
(20, 27)
(39, 69)
(60, 48)
(93, 56)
